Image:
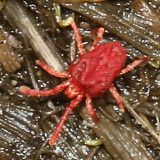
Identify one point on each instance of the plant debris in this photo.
(27, 122)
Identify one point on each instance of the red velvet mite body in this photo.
(90, 75)
(95, 71)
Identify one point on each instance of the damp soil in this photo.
(29, 31)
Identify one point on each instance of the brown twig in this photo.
(37, 37)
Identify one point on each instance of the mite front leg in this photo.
(51, 70)
(117, 96)
(89, 107)
(28, 91)
(64, 118)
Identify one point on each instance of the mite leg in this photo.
(100, 32)
(78, 38)
(28, 91)
(64, 118)
(134, 64)
(51, 70)
(89, 107)
(117, 96)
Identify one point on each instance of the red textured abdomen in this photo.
(95, 71)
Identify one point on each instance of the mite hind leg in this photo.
(117, 97)
(134, 64)
(99, 32)
(89, 107)
(78, 38)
